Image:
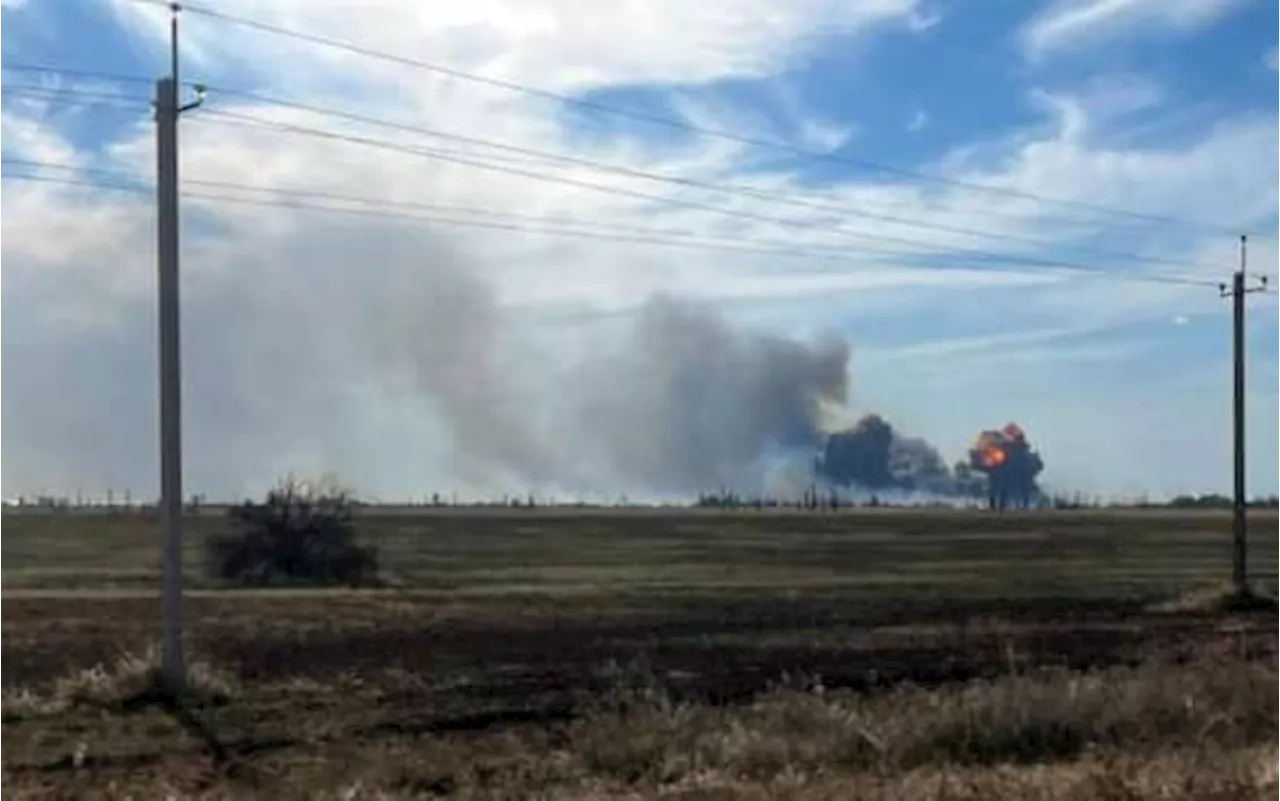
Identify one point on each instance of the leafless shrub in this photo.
(302, 532)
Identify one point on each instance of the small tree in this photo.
(302, 532)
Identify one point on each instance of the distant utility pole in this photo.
(168, 108)
(1239, 521)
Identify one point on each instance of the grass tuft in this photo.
(129, 680)
(1215, 598)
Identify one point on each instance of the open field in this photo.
(697, 655)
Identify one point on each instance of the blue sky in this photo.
(1165, 107)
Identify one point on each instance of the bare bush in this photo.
(301, 533)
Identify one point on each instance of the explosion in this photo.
(873, 455)
(1010, 465)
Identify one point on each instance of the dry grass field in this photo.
(582, 654)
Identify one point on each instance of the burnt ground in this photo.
(530, 644)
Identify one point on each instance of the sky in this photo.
(937, 163)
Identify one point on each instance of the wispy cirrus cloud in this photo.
(1083, 23)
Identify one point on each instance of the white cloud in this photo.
(1273, 59)
(556, 44)
(1110, 95)
(806, 128)
(919, 121)
(1079, 23)
(24, 137)
(920, 21)
(822, 138)
(950, 347)
(1106, 104)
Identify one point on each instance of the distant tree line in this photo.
(815, 499)
(812, 498)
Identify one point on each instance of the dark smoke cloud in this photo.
(872, 455)
(860, 456)
(917, 466)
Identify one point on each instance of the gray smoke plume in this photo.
(688, 403)
(386, 358)
(680, 402)
(447, 340)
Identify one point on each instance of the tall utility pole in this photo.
(1239, 520)
(168, 109)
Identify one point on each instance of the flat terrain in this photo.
(638, 654)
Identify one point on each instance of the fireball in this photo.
(993, 456)
(991, 449)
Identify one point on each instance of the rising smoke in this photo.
(679, 402)
(872, 455)
(682, 402)
(403, 370)
(687, 402)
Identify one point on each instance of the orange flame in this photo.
(993, 455)
(989, 451)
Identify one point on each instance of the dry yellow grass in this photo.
(111, 684)
(1198, 729)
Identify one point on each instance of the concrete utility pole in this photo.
(168, 109)
(1239, 520)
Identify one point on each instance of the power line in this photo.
(91, 74)
(122, 101)
(78, 182)
(98, 98)
(856, 235)
(672, 123)
(305, 194)
(725, 188)
(453, 156)
(76, 73)
(435, 207)
(542, 157)
(309, 194)
(581, 233)
(704, 243)
(235, 118)
(712, 244)
(646, 235)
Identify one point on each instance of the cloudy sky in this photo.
(983, 200)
